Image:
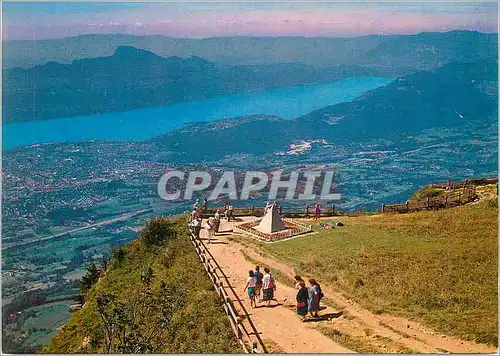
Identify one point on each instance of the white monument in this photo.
(271, 222)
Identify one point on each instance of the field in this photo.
(436, 267)
(45, 318)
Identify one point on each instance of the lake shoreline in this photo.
(144, 124)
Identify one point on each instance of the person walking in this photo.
(250, 287)
(258, 274)
(302, 300)
(314, 298)
(268, 286)
(196, 227)
(216, 221)
(194, 215)
(298, 280)
(230, 211)
(210, 229)
(205, 204)
(317, 211)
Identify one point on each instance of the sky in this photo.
(25, 20)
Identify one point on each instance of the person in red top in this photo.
(317, 211)
(268, 286)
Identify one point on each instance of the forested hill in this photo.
(132, 78)
(456, 95)
(153, 297)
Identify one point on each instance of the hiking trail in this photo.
(351, 327)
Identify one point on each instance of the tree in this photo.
(90, 278)
(104, 265)
(156, 232)
(118, 255)
(140, 323)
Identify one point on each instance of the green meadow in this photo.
(436, 267)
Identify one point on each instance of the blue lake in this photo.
(147, 123)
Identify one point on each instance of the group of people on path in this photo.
(260, 287)
(213, 223)
(308, 300)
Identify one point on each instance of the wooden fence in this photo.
(286, 211)
(242, 324)
(472, 181)
(458, 194)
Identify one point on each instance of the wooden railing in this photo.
(242, 324)
(458, 194)
(298, 222)
(286, 211)
(472, 181)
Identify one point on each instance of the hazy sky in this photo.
(197, 20)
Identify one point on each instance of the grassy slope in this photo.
(438, 267)
(200, 326)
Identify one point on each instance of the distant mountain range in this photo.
(122, 76)
(133, 79)
(454, 95)
(394, 53)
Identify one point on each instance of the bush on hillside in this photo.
(91, 276)
(426, 192)
(157, 231)
(118, 255)
(139, 322)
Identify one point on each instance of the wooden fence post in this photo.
(238, 326)
(233, 315)
(254, 348)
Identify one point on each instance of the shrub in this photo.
(90, 278)
(118, 256)
(157, 231)
(427, 192)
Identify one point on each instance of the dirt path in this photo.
(279, 323)
(352, 325)
(409, 334)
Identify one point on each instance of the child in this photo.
(251, 283)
